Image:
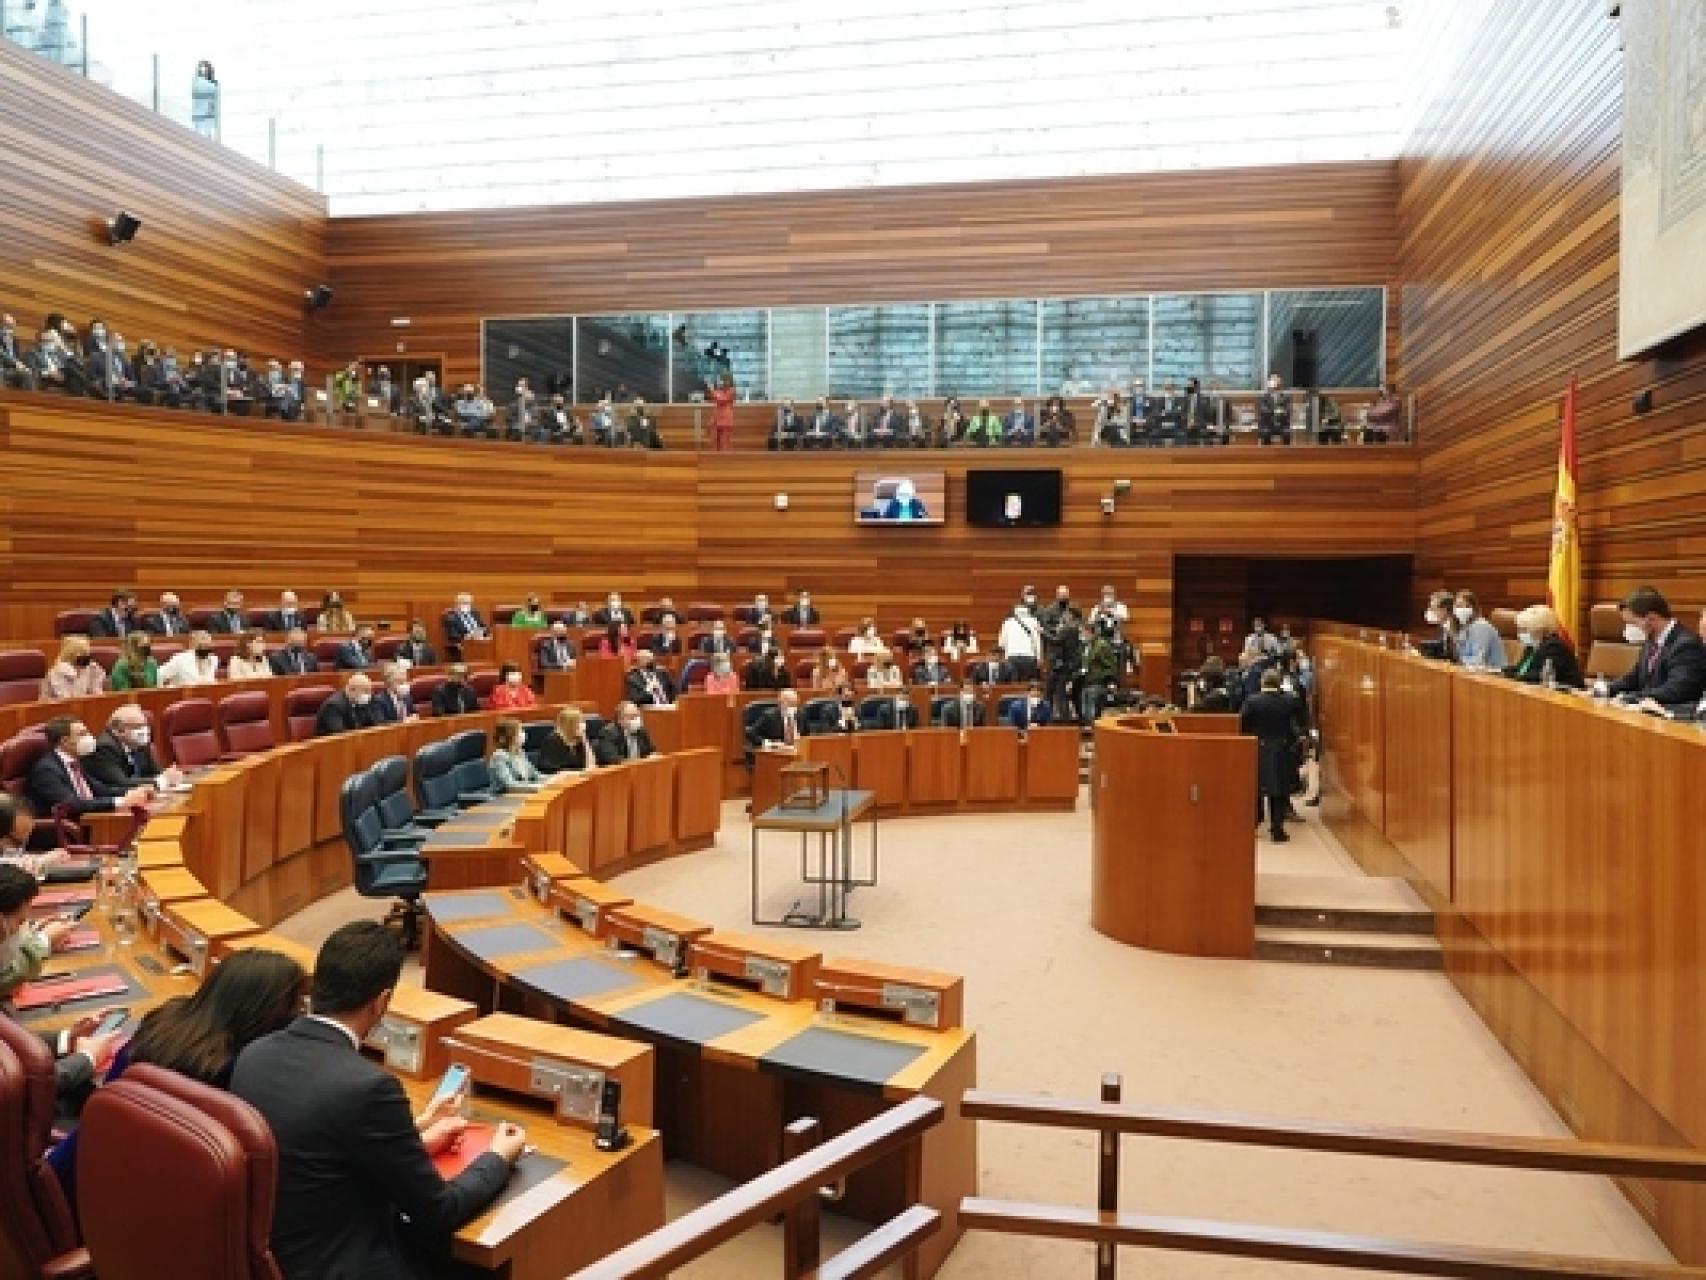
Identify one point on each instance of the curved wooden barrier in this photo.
(1173, 859)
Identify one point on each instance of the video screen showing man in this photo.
(890, 498)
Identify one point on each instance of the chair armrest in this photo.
(407, 838)
(75, 1265)
(384, 857)
(469, 799)
(433, 817)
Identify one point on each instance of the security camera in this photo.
(1107, 506)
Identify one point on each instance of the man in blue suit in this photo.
(357, 653)
(1032, 709)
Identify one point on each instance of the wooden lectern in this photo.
(1173, 860)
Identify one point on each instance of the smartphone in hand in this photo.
(455, 1081)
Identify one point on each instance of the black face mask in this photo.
(144, 652)
(81, 660)
(203, 653)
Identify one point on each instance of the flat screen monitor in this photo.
(1013, 499)
(897, 497)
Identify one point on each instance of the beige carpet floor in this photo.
(1004, 900)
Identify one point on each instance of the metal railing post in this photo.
(801, 1246)
(1108, 1181)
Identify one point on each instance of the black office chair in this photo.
(533, 738)
(939, 705)
(1005, 704)
(820, 715)
(750, 715)
(473, 778)
(381, 870)
(878, 712)
(435, 782)
(397, 814)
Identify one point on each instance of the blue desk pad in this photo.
(840, 1055)
(579, 978)
(469, 906)
(490, 941)
(685, 1020)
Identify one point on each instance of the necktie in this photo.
(788, 728)
(1653, 656)
(79, 783)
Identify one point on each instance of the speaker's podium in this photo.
(1173, 862)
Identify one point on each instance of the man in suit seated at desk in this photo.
(613, 611)
(625, 737)
(349, 708)
(14, 369)
(59, 777)
(886, 425)
(294, 658)
(896, 712)
(781, 725)
(288, 616)
(455, 697)
(356, 653)
(929, 670)
(789, 427)
(1032, 709)
(1670, 673)
(995, 669)
(392, 704)
(463, 622)
(357, 1191)
(647, 686)
(416, 650)
(802, 613)
(230, 620)
(557, 651)
(123, 757)
(823, 428)
(965, 711)
(718, 641)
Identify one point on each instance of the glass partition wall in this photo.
(1333, 339)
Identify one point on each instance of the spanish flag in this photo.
(1564, 571)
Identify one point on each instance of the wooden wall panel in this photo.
(1509, 269)
(1299, 225)
(226, 246)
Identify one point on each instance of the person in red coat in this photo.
(723, 413)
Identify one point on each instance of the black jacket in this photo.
(1276, 721)
(339, 715)
(454, 699)
(551, 658)
(1678, 678)
(108, 623)
(116, 768)
(612, 744)
(156, 623)
(285, 662)
(224, 622)
(559, 756)
(768, 727)
(1532, 664)
(640, 692)
(349, 1158)
(794, 616)
(49, 785)
(418, 655)
(951, 714)
(279, 620)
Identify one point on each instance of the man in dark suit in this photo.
(355, 1170)
(647, 686)
(123, 757)
(349, 708)
(719, 641)
(293, 657)
(789, 425)
(1275, 719)
(781, 724)
(824, 427)
(463, 622)
(965, 711)
(994, 669)
(356, 653)
(14, 369)
(228, 621)
(59, 777)
(1273, 413)
(287, 617)
(416, 651)
(802, 613)
(904, 503)
(556, 651)
(455, 697)
(393, 702)
(1032, 709)
(1019, 426)
(168, 619)
(929, 670)
(613, 610)
(1671, 671)
(118, 618)
(624, 738)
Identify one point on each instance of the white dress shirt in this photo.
(184, 668)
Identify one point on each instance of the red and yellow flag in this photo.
(1564, 570)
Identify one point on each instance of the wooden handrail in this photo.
(889, 1243)
(1555, 1155)
(1316, 1248)
(654, 1256)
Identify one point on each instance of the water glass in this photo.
(124, 922)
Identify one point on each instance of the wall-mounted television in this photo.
(900, 497)
(1013, 499)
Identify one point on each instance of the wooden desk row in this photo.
(1559, 843)
(735, 1064)
(938, 770)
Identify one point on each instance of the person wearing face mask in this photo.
(625, 738)
(1670, 672)
(118, 619)
(618, 641)
(613, 610)
(168, 619)
(24, 947)
(393, 703)
(530, 615)
(250, 662)
(666, 641)
(17, 825)
(356, 654)
(59, 776)
(294, 658)
(463, 622)
(1032, 709)
(334, 619)
(1273, 413)
(1543, 642)
(555, 652)
(763, 639)
(455, 697)
(722, 678)
(781, 725)
(511, 770)
(646, 684)
(1478, 643)
(1262, 642)
(511, 692)
(1443, 643)
(846, 713)
(867, 642)
(415, 649)
(124, 756)
(802, 613)
(959, 640)
(758, 612)
(54, 367)
(14, 370)
(929, 670)
(568, 749)
(964, 711)
(1021, 639)
(76, 674)
(717, 641)
(229, 620)
(994, 669)
(349, 708)
(288, 615)
(1276, 720)
(767, 671)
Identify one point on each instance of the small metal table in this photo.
(830, 866)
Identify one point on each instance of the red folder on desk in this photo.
(476, 1139)
(41, 994)
(81, 940)
(53, 901)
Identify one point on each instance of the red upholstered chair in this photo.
(504, 612)
(844, 637)
(693, 673)
(803, 670)
(199, 617)
(224, 648)
(73, 622)
(104, 656)
(807, 638)
(861, 669)
(189, 733)
(38, 1236)
(385, 647)
(212, 1217)
(482, 683)
(245, 722)
(301, 707)
(21, 672)
(421, 690)
(745, 636)
(326, 650)
(18, 755)
(702, 611)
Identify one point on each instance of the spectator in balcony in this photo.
(136, 668)
(346, 387)
(1019, 426)
(886, 425)
(558, 423)
(76, 674)
(15, 370)
(56, 367)
(1273, 413)
(1142, 410)
(204, 101)
(160, 379)
(1113, 422)
(334, 619)
(385, 390)
(789, 426)
(1385, 416)
(1329, 419)
(953, 428)
(917, 426)
(294, 658)
(821, 430)
(852, 435)
(523, 411)
(1057, 426)
(250, 661)
(984, 428)
(722, 394)
(195, 665)
(603, 423)
(416, 650)
(643, 427)
(113, 374)
(510, 768)
(511, 692)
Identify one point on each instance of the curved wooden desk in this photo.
(1173, 859)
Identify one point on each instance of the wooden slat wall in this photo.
(1231, 229)
(226, 246)
(1509, 269)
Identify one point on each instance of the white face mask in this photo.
(632, 726)
(360, 699)
(1525, 639)
(139, 737)
(514, 678)
(85, 744)
(1633, 633)
(1434, 617)
(1463, 613)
